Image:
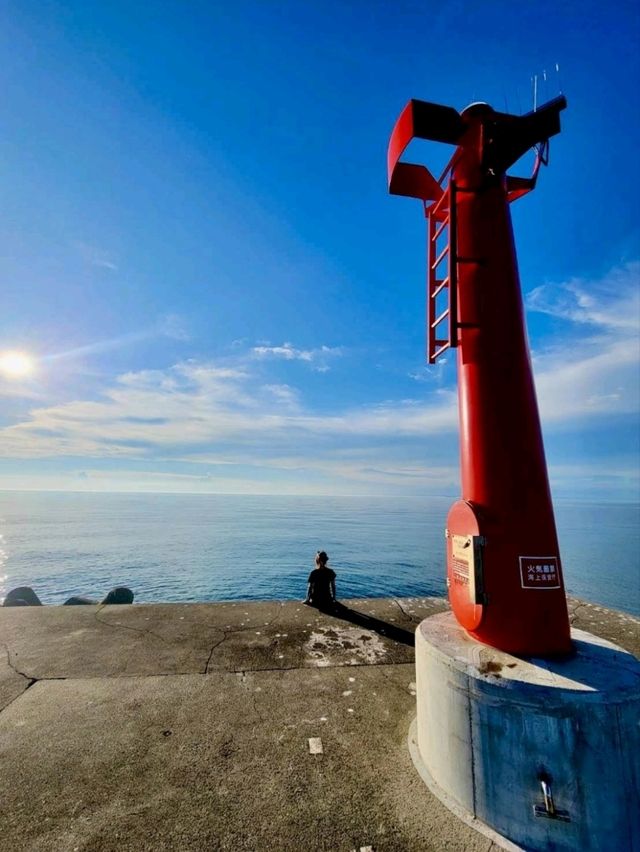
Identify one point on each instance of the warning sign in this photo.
(539, 572)
(461, 556)
(465, 566)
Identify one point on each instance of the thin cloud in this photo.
(104, 263)
(284, 394)
(228, 414)
(194, 406)
(596, 373)
(95, 256)
(99, 346)
(19, 390)
(172, 326)
(610, 303)
(317, 358)
(610, 476)
(600, 382)
(286, 351)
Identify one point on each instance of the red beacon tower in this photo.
(503, 563)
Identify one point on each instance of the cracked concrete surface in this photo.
(12, 682)
(186, 726)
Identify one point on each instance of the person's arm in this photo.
(308, 597)
(333, 588)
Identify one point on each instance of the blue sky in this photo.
(198, 249)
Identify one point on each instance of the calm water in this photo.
(218, 547)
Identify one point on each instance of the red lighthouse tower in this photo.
(503, 563)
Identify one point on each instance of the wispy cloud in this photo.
(193, 407)
(285, 395)
(303, 479)
(98, 346)
(595, 368)
(604, 381)
(317, 358)
(171, 326)
(24, 389)
(95, 256)
(609, 478)
(611, 303)
(234, 415)
(220, 414)
(432, 373)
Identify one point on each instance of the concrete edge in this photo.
(450, 803)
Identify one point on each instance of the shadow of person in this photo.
(382, 628)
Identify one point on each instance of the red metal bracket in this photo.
(420, 120)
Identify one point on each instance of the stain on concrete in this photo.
(364, 646)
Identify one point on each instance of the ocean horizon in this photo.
(213, 547)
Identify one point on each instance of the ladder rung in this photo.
(440, 257)
(440, 228)
(440, 285)
(445, 345)
(439, 319)
(438, 204)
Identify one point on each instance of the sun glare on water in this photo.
(16, 365)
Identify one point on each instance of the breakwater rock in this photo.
(25, 596)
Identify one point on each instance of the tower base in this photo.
(537, 754)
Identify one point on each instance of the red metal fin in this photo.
(419, 120)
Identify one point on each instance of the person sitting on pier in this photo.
(321, 589)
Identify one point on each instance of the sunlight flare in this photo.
(16, 365)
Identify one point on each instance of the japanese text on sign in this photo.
(539, 572)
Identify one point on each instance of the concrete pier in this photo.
(196, 727)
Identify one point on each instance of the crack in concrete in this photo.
(206, 670)
(9, 703)
(30, 680)
(573, 613)
(12, 667)
(320, 668)
(141, 630)
(243, 682)
(404, 612)
(227, 633)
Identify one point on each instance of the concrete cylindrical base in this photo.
(491, 728)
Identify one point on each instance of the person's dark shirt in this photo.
(320, 580)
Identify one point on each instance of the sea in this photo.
(180, 547)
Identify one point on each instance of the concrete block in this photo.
(492, 727)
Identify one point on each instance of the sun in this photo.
(16, 365)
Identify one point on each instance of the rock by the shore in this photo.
(25, 596)
(22, 596)
(119, 595)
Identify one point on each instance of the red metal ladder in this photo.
(442, 215)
